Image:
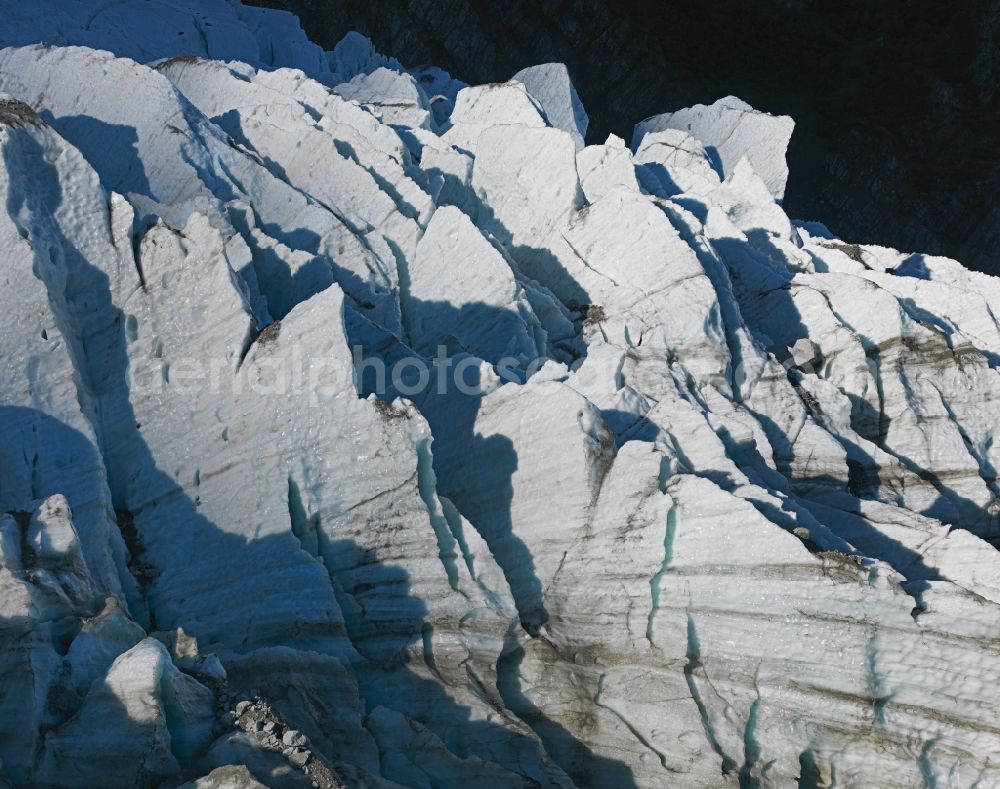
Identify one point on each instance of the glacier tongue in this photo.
(362, 427)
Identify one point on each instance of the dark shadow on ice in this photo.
(229, 122)
(475, 472)
(538, 264)
(762, 281)
(384, 621)
(715, 160)
(655, 179)
(112, 149)
(390, 637)
(159, 512)
(178, 553)
(576, 759)
(34, 650)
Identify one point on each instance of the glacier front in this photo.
(361, 427)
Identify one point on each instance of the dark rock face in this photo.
(897, 111)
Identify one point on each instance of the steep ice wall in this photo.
(360, 427)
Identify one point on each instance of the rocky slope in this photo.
(365, 428)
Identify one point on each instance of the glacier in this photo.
(361, 427)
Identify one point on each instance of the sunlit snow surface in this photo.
(361, 427)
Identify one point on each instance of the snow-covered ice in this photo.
(361, 427)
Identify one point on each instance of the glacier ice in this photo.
(730, 129)
(361, 427)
